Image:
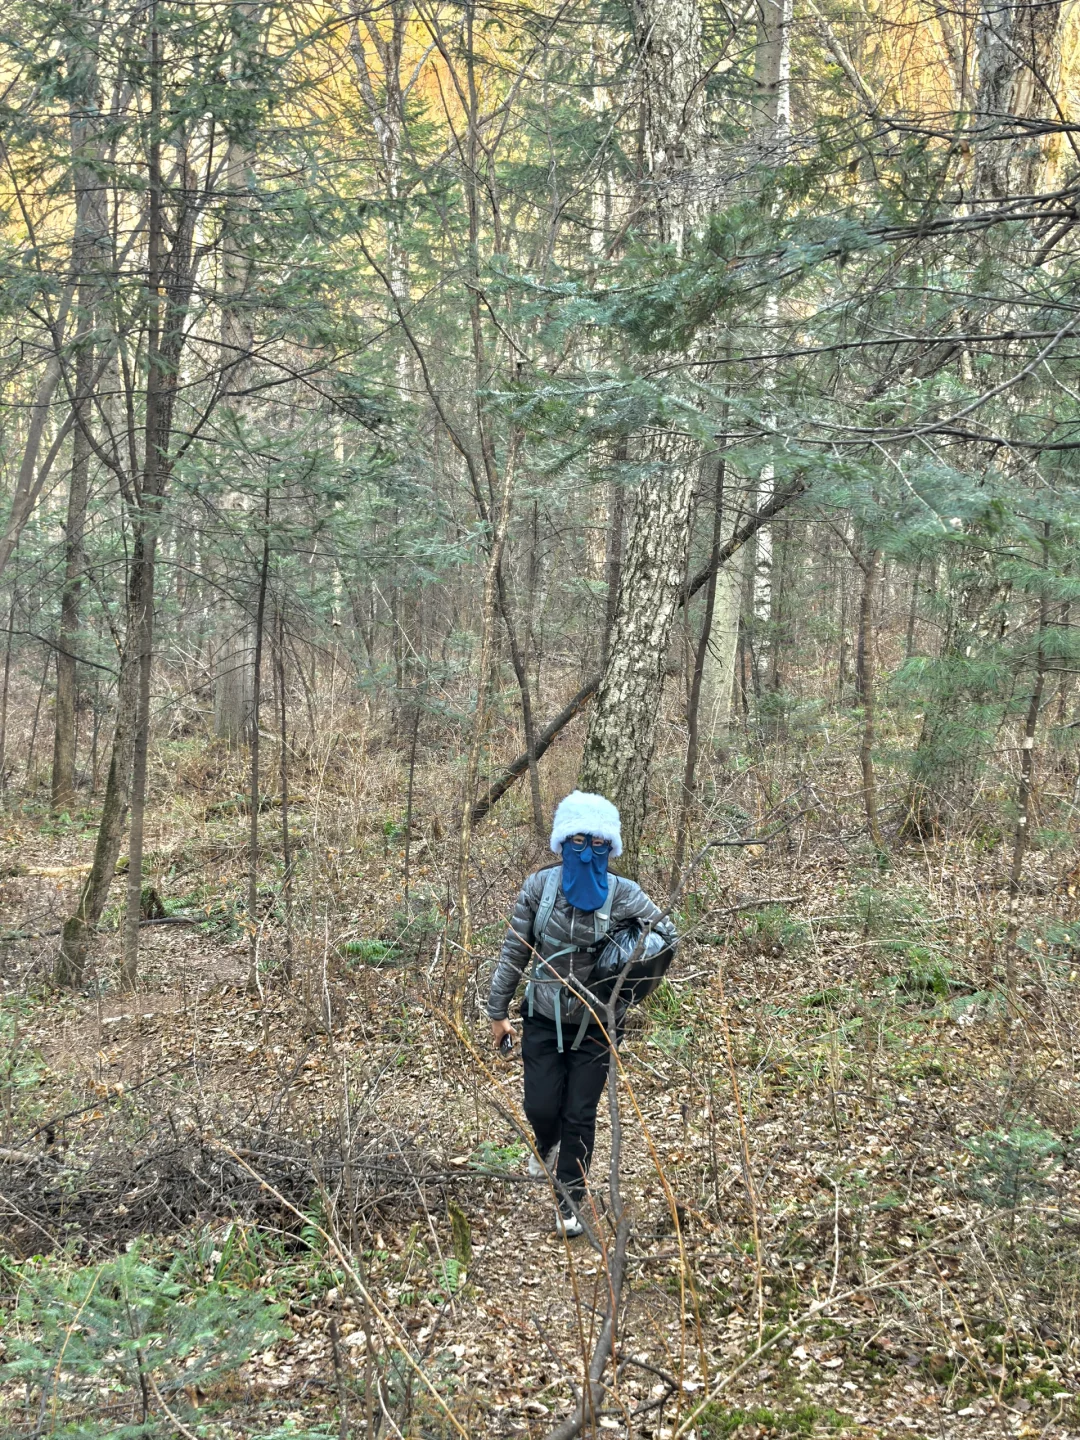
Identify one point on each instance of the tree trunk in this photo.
(693, 709)
(913, 612)
(771, 105)
(489, 606)
(5, 691)
(167, 308)
(143, 625)
(63, 766)
(286, 838)
(770, 126)
(235, 655)
(498, 788)
(518, 660)
(842, 606)
(613, 565)
(253, 831)
(32, 477)
(91, 234)
(37, 716)
(1019, 65)
(778, 603)
(718, 677)
(866, 653)
(71, 961)
(622, 728)
(1024, 791)
(232, 687)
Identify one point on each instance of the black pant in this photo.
(562, 1093)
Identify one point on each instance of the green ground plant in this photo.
(82, 1336)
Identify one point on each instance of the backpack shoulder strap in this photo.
(547, 902)
(602, 917)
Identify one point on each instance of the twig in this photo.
(187, 1434)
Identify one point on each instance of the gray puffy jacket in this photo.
(567, 926)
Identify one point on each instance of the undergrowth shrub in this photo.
(773, 930)
(83, 1337)
(1013, 1165)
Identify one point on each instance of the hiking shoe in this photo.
(539, 1166)
(569, 1226)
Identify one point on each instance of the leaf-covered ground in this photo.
(852, 1174)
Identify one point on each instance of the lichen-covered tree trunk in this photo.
(622, 730)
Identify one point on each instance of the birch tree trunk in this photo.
(622, 728)
(770, 127)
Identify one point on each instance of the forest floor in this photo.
(853, 1177)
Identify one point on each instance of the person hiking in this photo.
(562, 920)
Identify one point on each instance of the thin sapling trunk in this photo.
(866, 671)
(1024, 792)
(286, 839)
(253, 831)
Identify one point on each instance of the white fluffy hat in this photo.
(582, 813)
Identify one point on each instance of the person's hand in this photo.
(499, 1030)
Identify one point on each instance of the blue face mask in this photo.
(585, 873)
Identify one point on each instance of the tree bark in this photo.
(770, 127)
(158, 415)
(489, 603)
(234, 660)
(622, 730)
(143, 628)
(63, 766)
(718, 678)
(71, 961)
(913, 613)
(5, 691)
(518, 660)
(613, 563)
